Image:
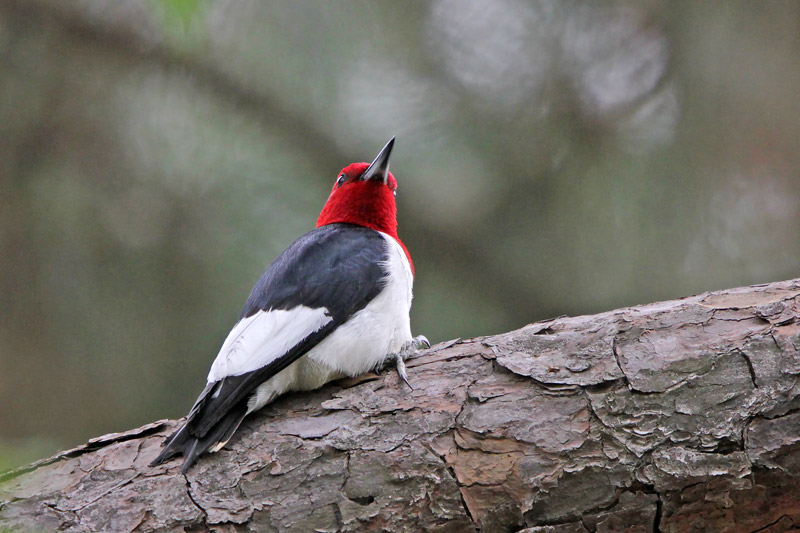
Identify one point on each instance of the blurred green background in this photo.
(554, 157)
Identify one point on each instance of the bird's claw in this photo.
(417, 343)
(401, 369)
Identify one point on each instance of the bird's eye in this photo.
(340, 181)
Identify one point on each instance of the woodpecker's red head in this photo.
(363, 194)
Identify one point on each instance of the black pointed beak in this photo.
(379, 169)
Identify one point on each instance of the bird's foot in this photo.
(414, 345)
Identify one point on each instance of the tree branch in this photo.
(655, 417)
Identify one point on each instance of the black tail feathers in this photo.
(188, 442)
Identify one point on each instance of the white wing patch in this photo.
(258, 340)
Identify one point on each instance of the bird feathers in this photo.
(318, 283)
(260, 339)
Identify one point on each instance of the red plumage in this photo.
(367, 203)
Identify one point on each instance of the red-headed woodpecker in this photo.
(335, 303)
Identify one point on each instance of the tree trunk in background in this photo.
(673, 416)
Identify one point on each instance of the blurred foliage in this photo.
(178, 13)
(553, 158)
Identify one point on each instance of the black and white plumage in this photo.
(335, 303)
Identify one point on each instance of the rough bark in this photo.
(674, 416)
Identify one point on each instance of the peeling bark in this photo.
(675, 416)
